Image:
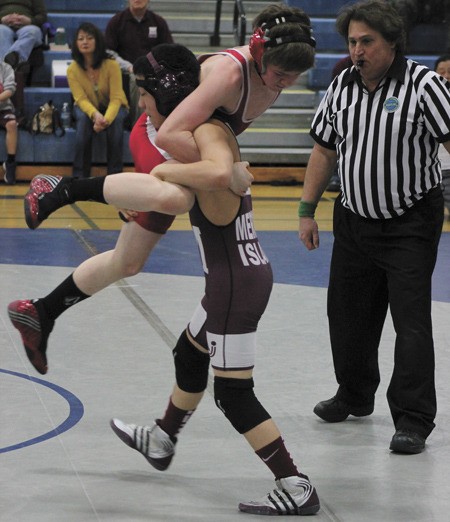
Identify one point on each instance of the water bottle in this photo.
(60, 36)
(66, 117)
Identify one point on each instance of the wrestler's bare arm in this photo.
(220, 86)
(214, 171)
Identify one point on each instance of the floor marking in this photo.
(75, 414)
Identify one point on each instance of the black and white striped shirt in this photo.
(386, 140)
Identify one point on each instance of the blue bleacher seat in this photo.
(25, 153)
(319, 77)
(61, 150)
(49, 149)
(37, 96)
(326, 35)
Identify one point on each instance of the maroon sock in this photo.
(277, 458)
(174, 419)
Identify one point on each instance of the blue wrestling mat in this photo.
(177, 254)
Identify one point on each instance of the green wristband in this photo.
(306, 209)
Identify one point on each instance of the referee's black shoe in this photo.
(406, 441)
(336, 410)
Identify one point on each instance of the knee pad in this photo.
(191, 366)
(236, 399)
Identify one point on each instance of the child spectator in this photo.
(8, 120)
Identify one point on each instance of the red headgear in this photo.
(256, 46)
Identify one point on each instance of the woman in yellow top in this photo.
(100, 101)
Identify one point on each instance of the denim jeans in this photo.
(22, 40)
(83, 143)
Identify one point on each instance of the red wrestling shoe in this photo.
(45, 195)
(34, 327)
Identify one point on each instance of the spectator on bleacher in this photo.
(20, 30)
(8, 121)
(442, 67)
(132, 33)
(100, 102)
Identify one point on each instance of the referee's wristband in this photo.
(306, 209)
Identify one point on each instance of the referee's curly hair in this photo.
(378, 15)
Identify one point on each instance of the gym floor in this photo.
(110, 356)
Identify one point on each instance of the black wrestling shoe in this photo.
(406, 441)
(335, 410)
(45, 195)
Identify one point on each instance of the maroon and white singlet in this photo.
(238, 275)
(238, 283)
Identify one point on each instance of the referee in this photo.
(382, 121)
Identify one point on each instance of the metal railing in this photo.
(239, 24)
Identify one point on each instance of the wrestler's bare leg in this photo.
(132, 250)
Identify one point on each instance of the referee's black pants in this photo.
(376, 264)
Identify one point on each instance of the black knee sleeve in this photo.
(191, 366)
(236, 399)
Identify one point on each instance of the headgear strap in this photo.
(156, 67)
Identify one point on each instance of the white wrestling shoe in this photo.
(292, 496)
(152, 441)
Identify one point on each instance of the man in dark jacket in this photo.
(132, 33)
